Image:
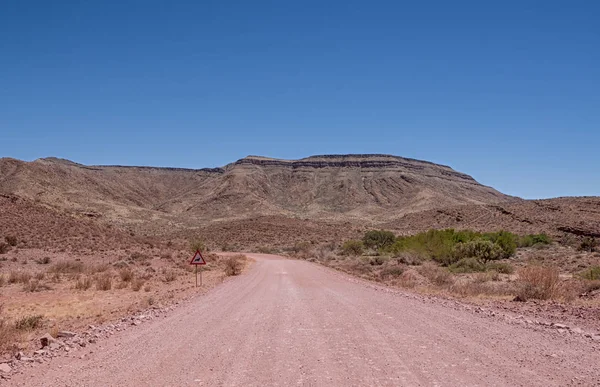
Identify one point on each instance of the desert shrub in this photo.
(409, 258)
(537, 282)
(18, 277)
(126, 275)
(441, 245)
(198, 245)
(29, 323)
(43, 261)
(169, 276)
(11, 240)
(104, 282)
(137, 284)
(35, 286)
(388, 272)
(588, 244)
(301, 248)
(4, 247)
(434, 244)
(8, 335)
(482, 250)
(67, 267)
(356, 266)
(592, 274)
(230, 247)
(353, 248)
(377, 261)
(500, 267)
(378, 239)
(467, 265)
(435, 274)
(233, 265)
(138, 256)
(83, 283)
(534, 239)
(506, 241)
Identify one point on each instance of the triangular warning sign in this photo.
(197, 259)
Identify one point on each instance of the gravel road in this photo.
(294, 323)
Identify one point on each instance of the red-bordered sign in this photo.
(197, 259)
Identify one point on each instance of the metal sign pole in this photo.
(196, 266)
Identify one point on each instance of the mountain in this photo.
(335, 187)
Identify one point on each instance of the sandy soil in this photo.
(288, 322)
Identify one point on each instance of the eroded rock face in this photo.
(321, 187)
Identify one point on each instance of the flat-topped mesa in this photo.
(362, 161)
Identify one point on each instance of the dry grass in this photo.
(19, 277)
(538, 282)
(104, 282)
(169, 276)
(35, 286)
(436, 275)
(233, 265)
(126, 275)
(67, 267)
(137, 284)
(29, 323)
(43, 261)
(83, 283)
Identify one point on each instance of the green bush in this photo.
(435, 244)
(500, 267)
(352, 247)
(588, 244)
(505, 240)
(534, 239)
(592, 274)
(378, 239)
(467, 265)
(442, 245)
(482, 250)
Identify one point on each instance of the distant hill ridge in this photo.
(365, 186)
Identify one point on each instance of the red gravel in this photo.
(289, 322)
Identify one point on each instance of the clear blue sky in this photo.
(507, 91)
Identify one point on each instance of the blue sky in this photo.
(507, 91)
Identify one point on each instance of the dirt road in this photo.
(293, 323)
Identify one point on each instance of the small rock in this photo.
(5, 368)
(40, 352)
(579, 331)
(54, 346)
(596, 337)
(66, 334)
(19, 355)
(560, 326)
(136, 323)
(27, 359)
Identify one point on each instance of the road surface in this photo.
(294, 323)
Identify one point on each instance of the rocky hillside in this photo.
(372, 187)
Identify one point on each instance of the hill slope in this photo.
(374, 187)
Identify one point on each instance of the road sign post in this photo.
(197, 260)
